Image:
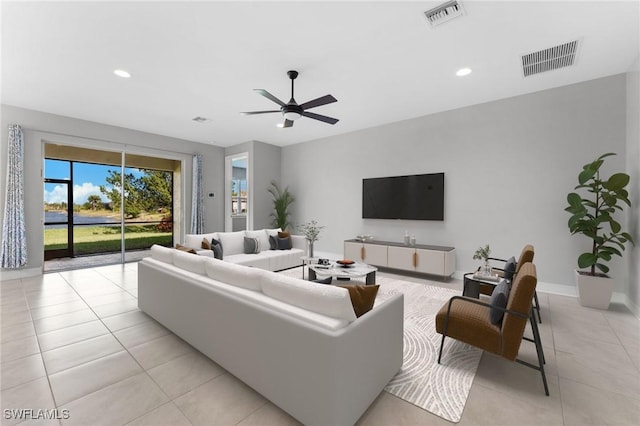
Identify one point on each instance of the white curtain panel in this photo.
(14, 239)
(197, 197)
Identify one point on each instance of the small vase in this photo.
(486, 269)
(309, 248)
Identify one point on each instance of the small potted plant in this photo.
(593, 217)
(311, 231)
(483, 254)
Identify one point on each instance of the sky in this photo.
(87, 179)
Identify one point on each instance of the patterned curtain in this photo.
(197, 197)
(14, 239)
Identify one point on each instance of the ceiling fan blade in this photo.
(326, 99)
(324, 118)
(270, 96)
(259, 112)
(288, 123)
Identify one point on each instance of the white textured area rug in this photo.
(441, 389)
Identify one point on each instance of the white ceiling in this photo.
(379, 59)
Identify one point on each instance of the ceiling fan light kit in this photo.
(291, 111)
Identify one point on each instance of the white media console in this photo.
(425, 259)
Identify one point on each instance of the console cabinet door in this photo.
(353, 251)
(375, 254)
(402, 258)
(430, 262)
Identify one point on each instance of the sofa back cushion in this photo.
(237, 275)
(195, 240)
(189, 262)
(262, 236)
(328, 300)
(232, 242)
(161, 253)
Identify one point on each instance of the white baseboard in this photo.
(8, 274)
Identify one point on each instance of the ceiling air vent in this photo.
(560, 56)
(201, 119)
(443, 13)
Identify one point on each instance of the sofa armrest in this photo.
(298, 242)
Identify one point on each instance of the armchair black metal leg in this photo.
(441, 346)
(540, 351)
(537, 307)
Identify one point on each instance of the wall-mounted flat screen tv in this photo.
(416, 197)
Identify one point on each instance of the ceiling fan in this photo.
(291, 110)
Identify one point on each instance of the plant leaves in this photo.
(617, 181)
(587, 259)
(615, 226)
(586, 174)
(602, 267)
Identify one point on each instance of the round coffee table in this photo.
(339, 272)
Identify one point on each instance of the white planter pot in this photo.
(594, 292)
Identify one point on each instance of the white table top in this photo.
(358, 270)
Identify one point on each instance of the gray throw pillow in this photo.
(273, 242)
(498, 298)
(510, 268)
(327, 280)
(251, 245)
(284, 243)
(216, 246)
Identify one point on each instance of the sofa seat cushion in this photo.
(236, 275)
(254, 260)
(283, 259)
(323, 299)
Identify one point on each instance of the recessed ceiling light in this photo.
(280, 125)
(122, 73)
(201, 119)
(463, 71)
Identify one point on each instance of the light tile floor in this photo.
(75, 340)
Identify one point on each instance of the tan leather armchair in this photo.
(468, 320)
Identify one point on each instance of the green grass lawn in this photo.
(106, 239)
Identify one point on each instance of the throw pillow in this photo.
(284, 243)
(205, 244)
(510, 268)
(327, 280)
(185, 248)
(273, 242)
(251, 245)
(362, 297)
(216, 246)
(499, 299)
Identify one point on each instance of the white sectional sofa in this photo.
(233, 246)
(296, 342)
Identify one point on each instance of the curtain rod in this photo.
(31, 129)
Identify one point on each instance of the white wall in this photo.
(508, 167)
(38, 126)
(633, 167)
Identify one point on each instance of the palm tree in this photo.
(282, 199)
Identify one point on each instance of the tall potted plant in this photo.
(593, 217)
(282, 199)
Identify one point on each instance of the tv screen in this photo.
(416, 197)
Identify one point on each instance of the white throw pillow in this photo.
(329, 300)
(232, 242)
(238, 275)
(189, 261)
(272, 232)
(261, 236)
(161, 253)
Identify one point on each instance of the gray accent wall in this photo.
(508, 167)
(39, 126)
(633, 167)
